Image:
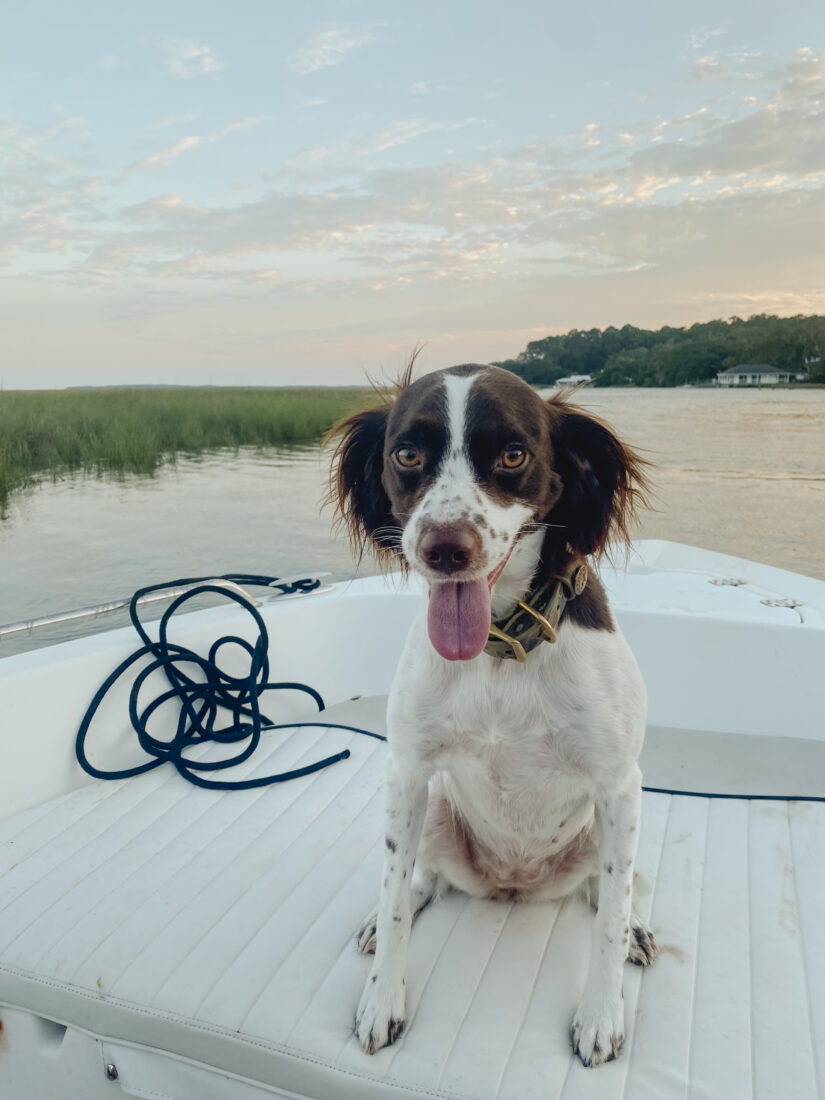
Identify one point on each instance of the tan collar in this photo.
(536, 617)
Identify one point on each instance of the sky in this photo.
(283, 193)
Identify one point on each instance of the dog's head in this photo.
(452, 471)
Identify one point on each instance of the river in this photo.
(739, 472)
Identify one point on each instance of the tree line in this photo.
(669, 356)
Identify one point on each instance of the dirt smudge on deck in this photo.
(671, 949)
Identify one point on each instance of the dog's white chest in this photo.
(505, 754)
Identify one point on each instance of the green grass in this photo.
(45, 434)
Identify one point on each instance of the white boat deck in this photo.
(203, 943)
(220, 930)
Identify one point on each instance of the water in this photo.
(743, 473)
(738, 472)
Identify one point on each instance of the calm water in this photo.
(743, 473)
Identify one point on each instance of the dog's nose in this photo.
(451, 548)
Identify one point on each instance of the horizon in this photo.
(200, 198)
(387, 379)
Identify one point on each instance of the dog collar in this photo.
(536, 617)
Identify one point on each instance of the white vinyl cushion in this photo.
(220, 927)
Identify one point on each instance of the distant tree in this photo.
(627, 368)
(672, 356)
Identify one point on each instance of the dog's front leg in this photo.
(598, 1026)
(381, 1012)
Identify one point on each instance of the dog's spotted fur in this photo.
(504, 780)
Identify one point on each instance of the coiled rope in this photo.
(204, 702)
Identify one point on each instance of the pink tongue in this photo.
(459, 618)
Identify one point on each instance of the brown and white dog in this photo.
(504, 778)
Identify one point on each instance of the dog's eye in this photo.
(407, 456)
(512, 457)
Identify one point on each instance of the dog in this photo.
(514, 729)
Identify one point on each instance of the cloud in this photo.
(698, 39)
(708, 67)
(171, 152)
(394, 134)
(802, 80)
(733, 65)
(358, 247)
(185, 58)
(174, 120)
(402, 132)
(49, 187)
(765, 141)
(164, 156)
(160, 209)
(680, 208)
(327, 49)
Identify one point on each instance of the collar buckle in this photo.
(534, 626)
(514, 644)
(547, 629)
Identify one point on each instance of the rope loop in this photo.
(213, 704)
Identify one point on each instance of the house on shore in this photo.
(757, 374)
(574, 380)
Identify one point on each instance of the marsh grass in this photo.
(46, 434)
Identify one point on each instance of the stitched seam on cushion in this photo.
(34, 818)
(252, 804)
(160, 1095)
(530, 997)
(372, 853)
(433, 967)
(469, 1005)
(101, 869)
(87, 843)
(359, 777)
(212, 1029)
(703, 892)
(182, 904)
(114, 1046)
(631, 1042)
(806, 978)
(331, 902)
(56, 806)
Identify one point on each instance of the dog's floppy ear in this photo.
(356, 490)
(604, 481)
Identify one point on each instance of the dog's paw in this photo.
(365, 937)
(597, 1037)
(381, 1013)
(642, 950)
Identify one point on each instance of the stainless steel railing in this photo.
(156, 597)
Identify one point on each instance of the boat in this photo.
(159, 939)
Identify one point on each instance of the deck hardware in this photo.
(111, 1072)
(735, 582)
(782, 603)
